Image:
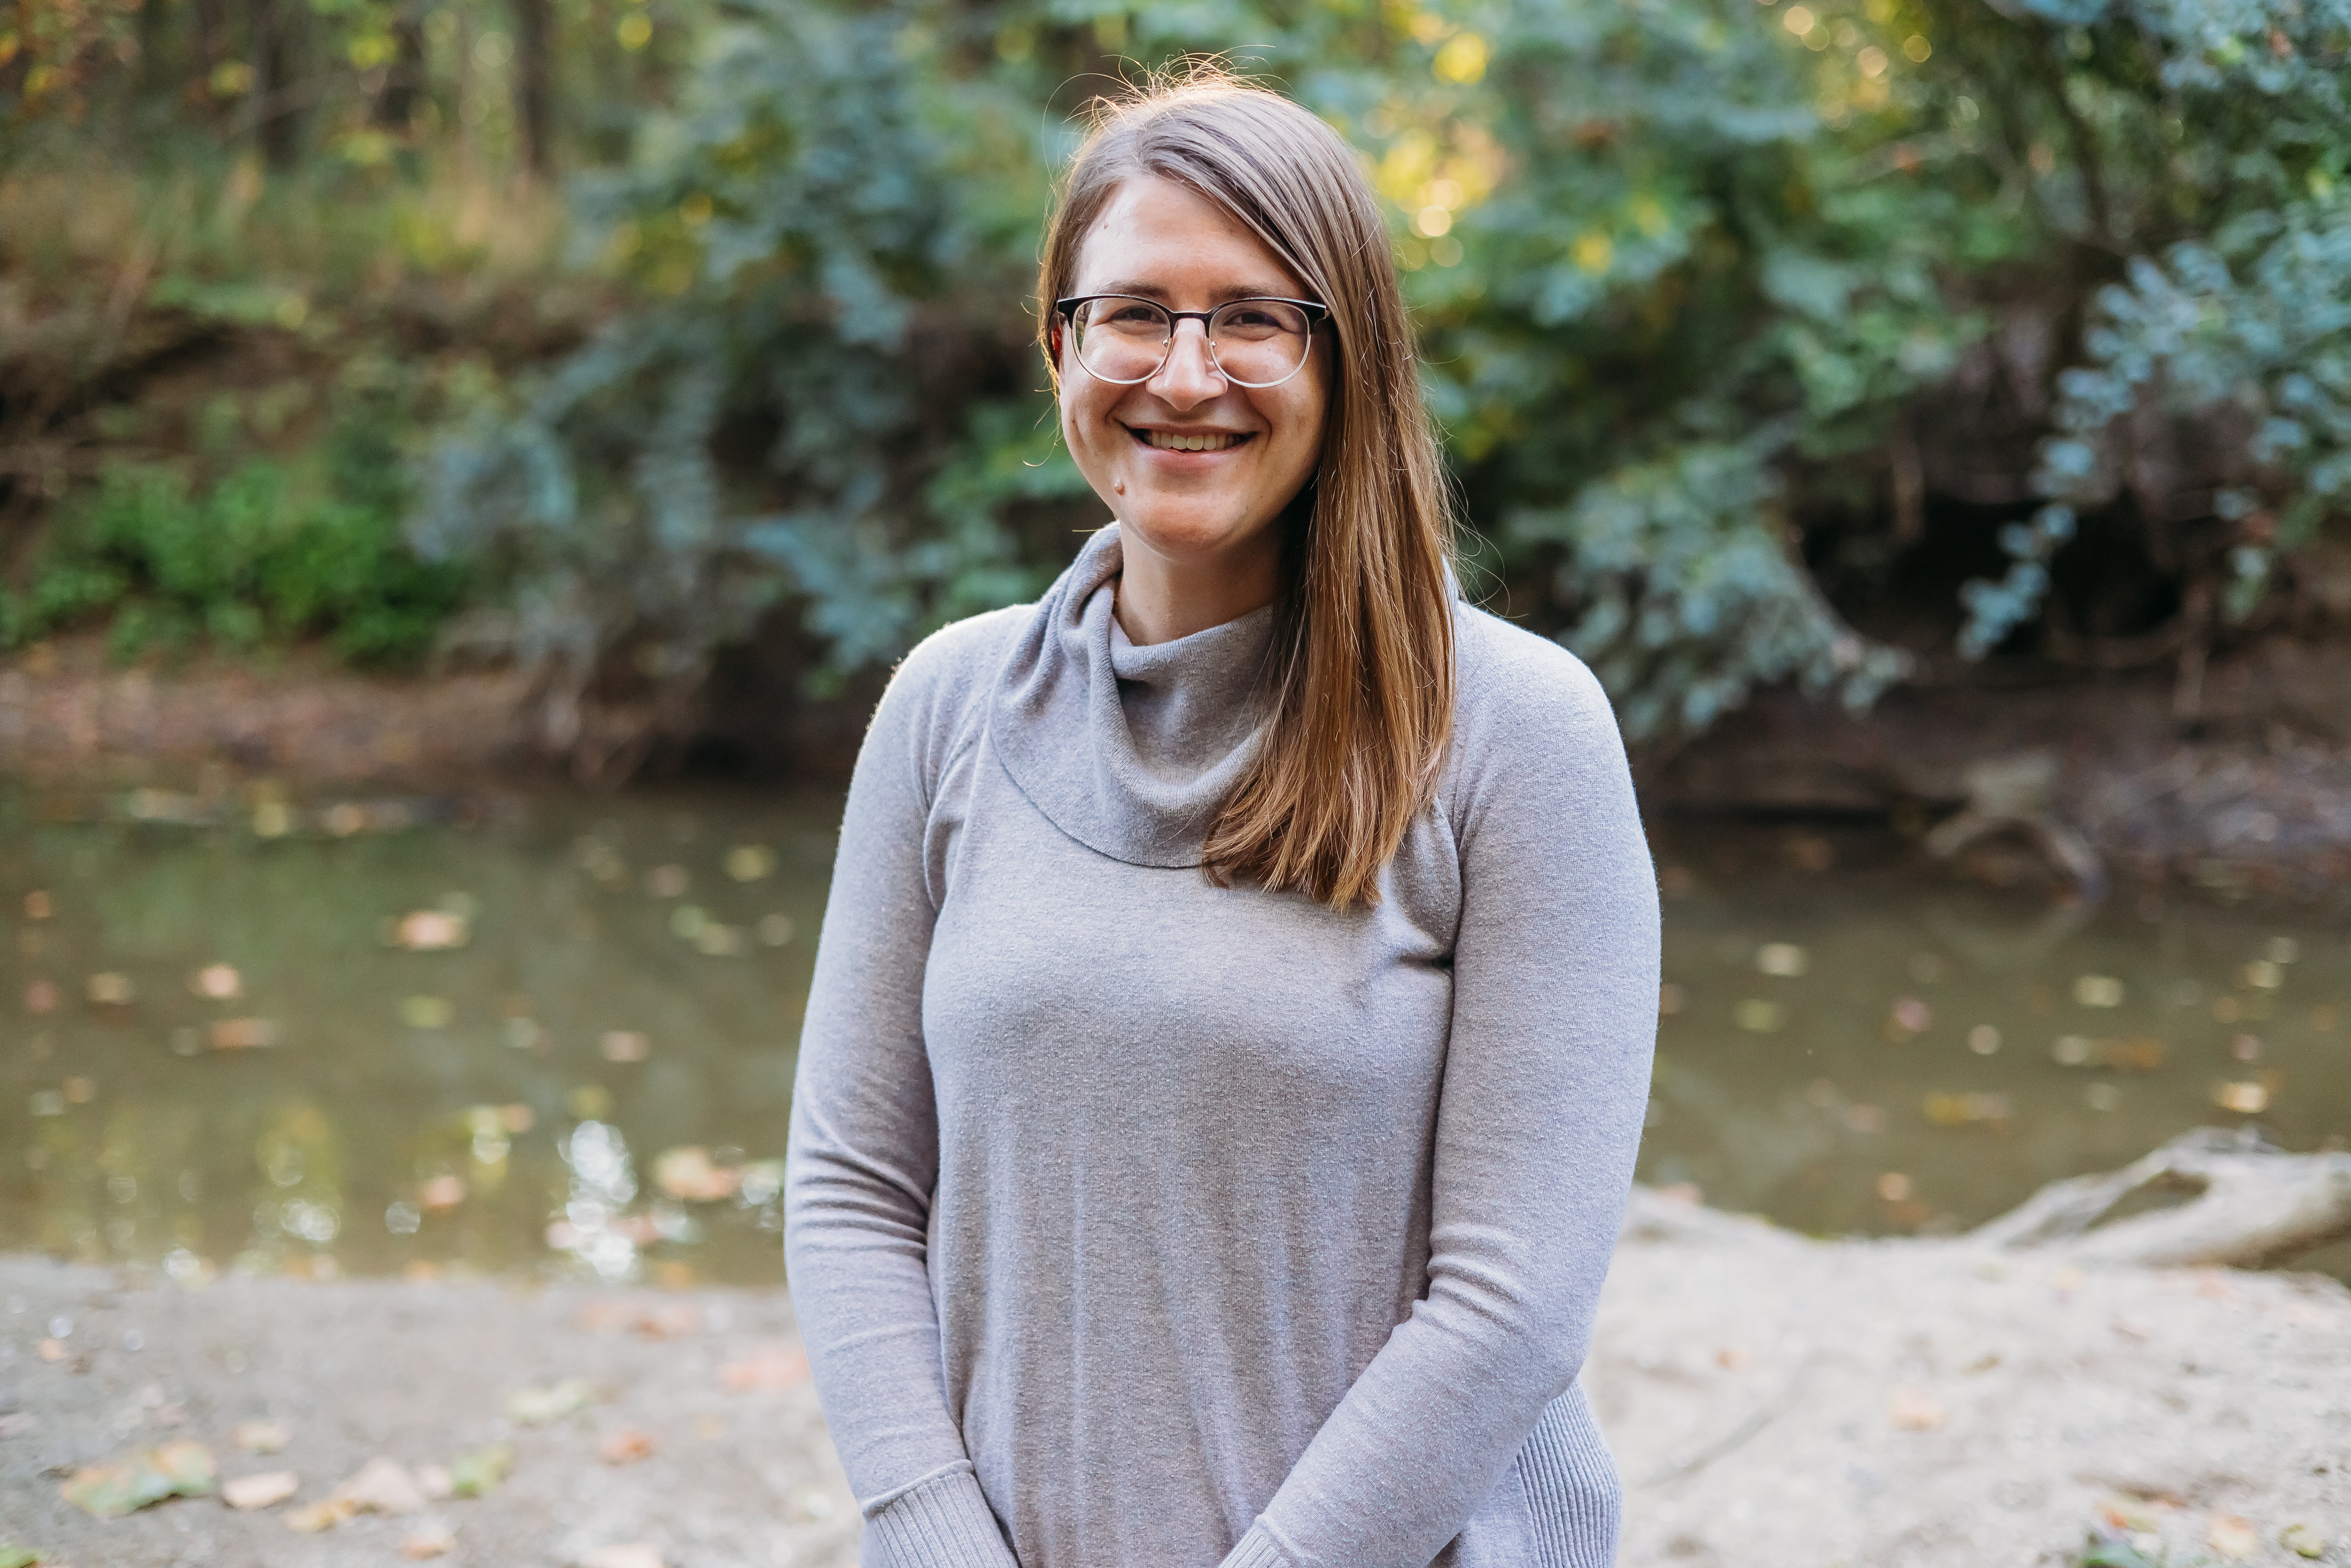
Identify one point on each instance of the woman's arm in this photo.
(863, 1155)
(1554, 1020)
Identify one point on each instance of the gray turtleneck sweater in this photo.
(1135, 1222)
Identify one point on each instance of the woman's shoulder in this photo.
(959, 658)
(1535, 742)
(1515, 688)
(939, 693)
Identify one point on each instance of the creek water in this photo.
(556, 1033)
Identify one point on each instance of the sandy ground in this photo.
(1776, 1403)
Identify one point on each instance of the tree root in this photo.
(2250, 1206)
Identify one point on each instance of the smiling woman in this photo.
(1231, 1027)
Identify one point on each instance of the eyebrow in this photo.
(1153, 291)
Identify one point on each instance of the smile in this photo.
(1184, 440)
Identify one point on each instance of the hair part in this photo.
(1361, 673)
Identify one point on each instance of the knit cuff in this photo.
(1572, 1486)
(1258, 1548)
(941, 1522)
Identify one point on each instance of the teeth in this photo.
(1168, 441)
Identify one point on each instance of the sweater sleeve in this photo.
(1546, 1080)
(862, 1159)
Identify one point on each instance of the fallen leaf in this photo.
(431, 931)
(175, 1469)
(2233, 1537)
(17, 1556)
(773, 1369)
(669, 1321)
(686, 1173)
(539, 1405)
(433, 1541)
(441, 1192)
(2097, 991)
(1915, 1409)
(435, 1482)
(477, 1474)
(322, 1515)
(1911, 1016)
(2303, 1541)
(382, 1486)
(2245, 1098)
(2129, 1514)
(625, 1446)
(634, 1554)
(261, 1436)
(242, 1034)
(1965, 1110)
(221, 982)
(264, 1488)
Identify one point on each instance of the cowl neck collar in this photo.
(1128, 750)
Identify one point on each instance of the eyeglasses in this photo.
(1258, 342)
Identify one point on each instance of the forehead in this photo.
(1164, 240)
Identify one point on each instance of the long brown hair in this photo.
(1361, 675)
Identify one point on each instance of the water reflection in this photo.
(557, 1035)
(1869, 1051)
(407, 1036)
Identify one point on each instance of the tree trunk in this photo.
(404, 81)
(278, 122)
(2251, 1207)
(534, 84)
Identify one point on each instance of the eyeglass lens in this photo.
(1254, 342)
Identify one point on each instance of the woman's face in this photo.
(1192, 509)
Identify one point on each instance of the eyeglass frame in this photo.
(1316, 314)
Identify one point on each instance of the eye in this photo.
(1127, 313)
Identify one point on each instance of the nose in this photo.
(1189, 376)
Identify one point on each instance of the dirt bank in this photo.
(2252, 798)
(1776, 1403)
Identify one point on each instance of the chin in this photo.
(1188, 531)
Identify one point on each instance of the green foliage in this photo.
(1687, 271)
(819, 272)
(265, 554)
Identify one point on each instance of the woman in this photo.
(1233, 1016)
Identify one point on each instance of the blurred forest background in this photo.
(1837, 343)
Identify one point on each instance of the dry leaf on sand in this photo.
(110, 1491)
(2233, 1537)
(1915, 1409)
(770, 1369)
(318, 1516)
(264, 1488)
(261, 1436)
(382, 1486)
(427, 1540)
(625, 1446)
